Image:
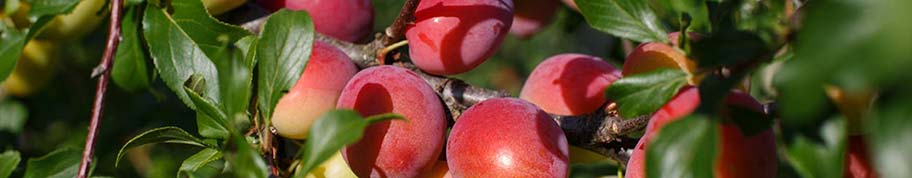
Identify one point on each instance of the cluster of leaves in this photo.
(212, 67)
(233, 78)
(743, 37)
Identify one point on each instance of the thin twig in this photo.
(396, 32)
(100, 90)
(599, 132)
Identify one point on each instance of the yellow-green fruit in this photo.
(217, 7)
(335, 167)
(579, 155)
(20, 17)
(82, 20)
(33, 70)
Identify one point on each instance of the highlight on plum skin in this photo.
(349, 20)
(569, 84)
(453, 37)
(394, 148)
(315, 92)
(507, 137)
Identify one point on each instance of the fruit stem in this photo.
(392, 47)
(103, 73)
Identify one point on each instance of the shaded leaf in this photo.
(281, 53)
(812, 159)
(12, 116)
(8, 162)
(212, 36)
(246, 161)
(210, 120)
(332, 131)
(12, 42)
(62, 163)
(697, 9)
(685, 148)
(643, 94)
(199, 160)
(168, 134)
(130, 71)
(236, 77)
(631, 19)
(176, 56)
(864, 45)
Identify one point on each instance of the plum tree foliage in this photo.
(437, 88)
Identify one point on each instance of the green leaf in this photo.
(853, 44)
(211, 35)
(729, 46)
(207, 107)
(332, 131)
(51, 7)
(695, 8)
(62, 163)
(8, 162)
(282, 52)
(245, 161)
(643, 94)
(12, 116)
(12, 42)
(176, 56)
(684, 148)
(236, 78)
(209, 127)
(815, 160)
(211, 121)
(199, 160)
(168, 134)
(631, 19)
(130, 71)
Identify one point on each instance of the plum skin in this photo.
(739, 155)
(531, 16)
(569, 84)
(315, 92)
(395, 148)
(349, 20)
(507, 137)
(453, 37)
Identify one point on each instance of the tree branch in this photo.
(103, 73)
(600, 132)
(396, 31)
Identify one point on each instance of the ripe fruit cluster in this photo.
(500, 137)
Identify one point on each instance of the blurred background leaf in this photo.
(684, 148)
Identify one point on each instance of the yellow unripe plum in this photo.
(651, 56)
(334, 167)
(217, 7)
(580, 155)
(315, 92)
(33, 70)
(82, 20)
